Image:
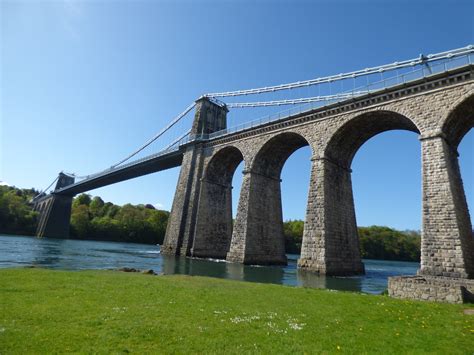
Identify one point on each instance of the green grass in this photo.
(46, 311)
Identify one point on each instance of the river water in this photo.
(16, 251)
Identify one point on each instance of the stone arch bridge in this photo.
(440, 109)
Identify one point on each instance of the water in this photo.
(78, 255)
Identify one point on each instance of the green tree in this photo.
(82, 199)
(80, 221)
(96, 207)
(16, 213)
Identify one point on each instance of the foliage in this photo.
(16, 215)
(93, 219)
(293, 231)
(376, 242)
(389, 244)
(50, 311)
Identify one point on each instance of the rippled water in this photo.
(77, 255)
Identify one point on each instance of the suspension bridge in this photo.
(375, 79)
(431, 95)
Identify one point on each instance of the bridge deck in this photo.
(126, 172)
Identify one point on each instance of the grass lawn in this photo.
(49, 311)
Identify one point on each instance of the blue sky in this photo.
(84, 83)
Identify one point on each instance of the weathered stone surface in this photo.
(431, 288)
(55, 215)
(330, 239)
(214, 216)
(447, 243)
(54, 211)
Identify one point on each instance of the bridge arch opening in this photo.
(345, 143)
(336, 223)
(214, 222)
(259, 235)
(459, 122)
(457, 128)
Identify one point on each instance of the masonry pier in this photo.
(55, 211)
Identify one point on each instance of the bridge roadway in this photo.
(167, 160)
(148, 165)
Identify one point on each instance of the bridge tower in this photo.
(54, 211)
(210, 117)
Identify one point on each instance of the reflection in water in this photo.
(46, 254)
(221, 269)
(78, 254)
(308, 279)
(264, 274)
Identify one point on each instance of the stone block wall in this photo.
(430, 288)
(55, 215)
(258, 236)
(447, 241)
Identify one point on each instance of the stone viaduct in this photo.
(440, 109)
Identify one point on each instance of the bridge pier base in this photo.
(258, 233)
(54, 211)
(447, 243)
(330, 240)
(180, 228)
(214, 221)
(55, 216)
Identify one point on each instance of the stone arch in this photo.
(258, 234)
(346, 141)
(271, 157)
(221, 167)
(459, 120)
(214, 224)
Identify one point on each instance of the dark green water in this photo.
(78, 255)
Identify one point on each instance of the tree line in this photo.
(16, 214)
(376, 242)
(91, 218)
(94, 219)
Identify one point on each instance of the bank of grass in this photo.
(104, 311)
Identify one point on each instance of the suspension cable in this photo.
(303, 100)
(379, 69)
(176, 140)
(47, 187)
(158, 135)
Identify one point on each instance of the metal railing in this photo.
(425, 71)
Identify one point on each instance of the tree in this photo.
(82, 199)
(96, 207)
(80, 220)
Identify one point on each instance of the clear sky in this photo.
(84, 83)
